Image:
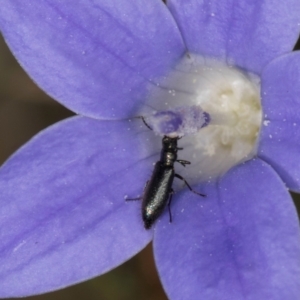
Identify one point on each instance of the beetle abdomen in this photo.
(157, 193)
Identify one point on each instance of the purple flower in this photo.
(63, 216)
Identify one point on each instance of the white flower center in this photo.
(230, 96)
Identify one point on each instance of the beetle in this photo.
(158, 191)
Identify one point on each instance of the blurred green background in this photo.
(24, 111)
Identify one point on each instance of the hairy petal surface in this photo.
(63, 216)
(280, 136)
(245, 33)
(241, 242)
(96, 57)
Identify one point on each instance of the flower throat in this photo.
(218, 112)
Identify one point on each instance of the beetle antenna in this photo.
(144, 121)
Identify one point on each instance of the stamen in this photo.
(178, 122)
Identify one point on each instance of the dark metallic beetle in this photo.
(158, 191)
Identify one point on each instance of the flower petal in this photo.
(280, 136)
(63, 216)
(241, 242)
(96, 57)
(241, 32)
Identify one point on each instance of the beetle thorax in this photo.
(169, 151)
(168, 158)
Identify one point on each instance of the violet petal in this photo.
(280, 134)
(240, 242)
(246, 33)
(63, 216)
(98, 58)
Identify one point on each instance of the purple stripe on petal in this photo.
(246, 33)
(240, 242)
(98, 58)
(63, 216)
(280, 134)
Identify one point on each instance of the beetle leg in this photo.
(133, 199)
(181, 178)
(137, 198)
(183, 162)
(169, 204)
